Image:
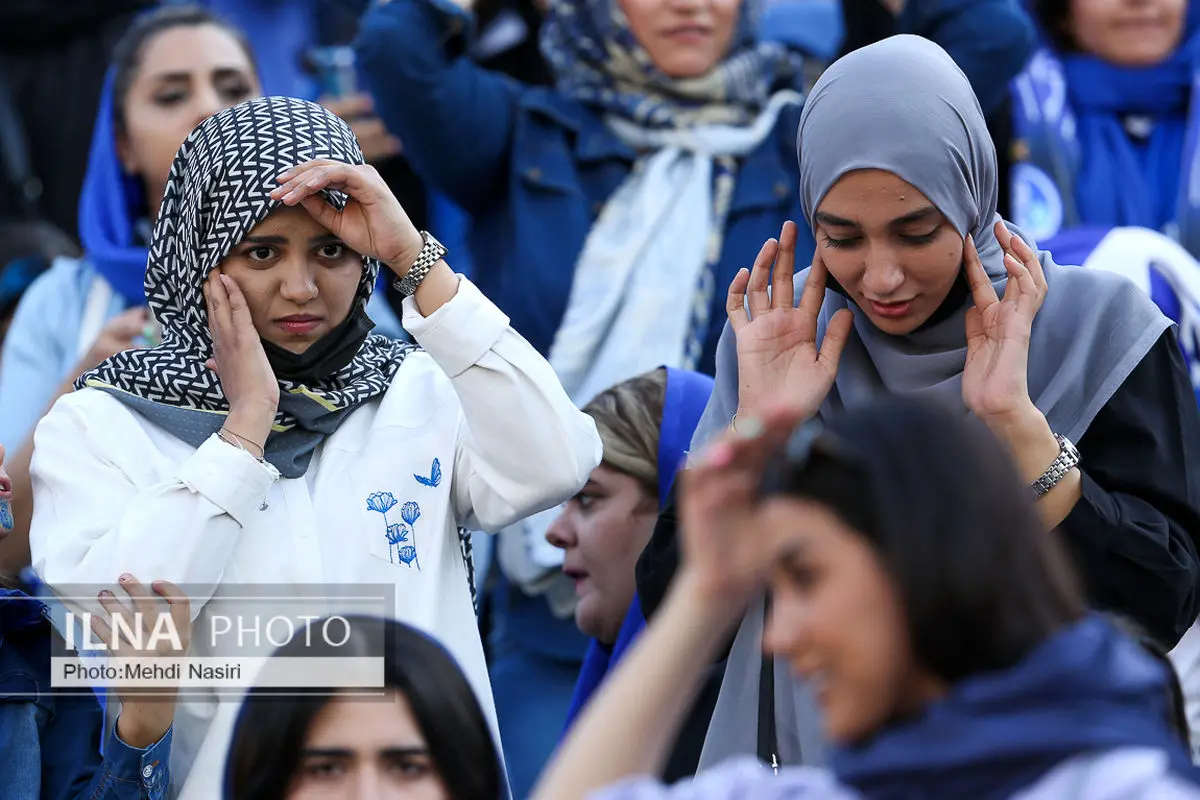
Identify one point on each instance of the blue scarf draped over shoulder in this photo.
(1088, 688)
(686, 396)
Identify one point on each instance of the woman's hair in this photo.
(628, 417)
(127, 55)
(1054, 18)
(264, 754)
(981, 580)
(1176, 705)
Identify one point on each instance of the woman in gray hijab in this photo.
(918, 287)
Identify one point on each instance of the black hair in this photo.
(127, 55)
(269, 736)
(1176, 705)
(1054, 18)
(981, 580)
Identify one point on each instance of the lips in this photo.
(576, 575)
(689, 32)
(5, 487)
(891, 310)
(299, 324)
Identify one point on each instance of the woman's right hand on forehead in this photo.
(239, 360)
(776, 339)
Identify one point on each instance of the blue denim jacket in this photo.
(50, 742)
(533, 168)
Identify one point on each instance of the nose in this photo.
(883, 275)
(786, 628)
(561, 533)
(206, 102)
(297, 284)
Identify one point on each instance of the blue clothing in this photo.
(1106, 145)
(687, 395)
(534, 168)
(1087, 689)
(50, 742)
(989, 40)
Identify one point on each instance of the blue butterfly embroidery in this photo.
(435, 475)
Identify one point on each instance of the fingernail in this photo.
(105, 593)
(749, 428)
(126, 578)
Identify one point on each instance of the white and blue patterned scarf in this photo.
(596, 60)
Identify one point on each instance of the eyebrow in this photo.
(341, 752)
(220, 73)
(920, 215)
(316, 241)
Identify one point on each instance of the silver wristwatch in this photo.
(431, 253)
(1067, 459)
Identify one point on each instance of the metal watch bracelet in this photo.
(1066, 460)
(431, 253)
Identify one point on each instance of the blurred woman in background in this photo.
(646, 424)
(1106, 147)
(425, 738)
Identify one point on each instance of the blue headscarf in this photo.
(1088, 688)
(597, 60)
(686, 396)
(1121, 182)
(109, 208)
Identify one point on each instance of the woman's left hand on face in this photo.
(998, 329)
(373, 223)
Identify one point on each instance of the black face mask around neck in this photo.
(327, 355)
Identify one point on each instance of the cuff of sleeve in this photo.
(234, 480)
(1095, 514)
(459, 333)
(149, 764)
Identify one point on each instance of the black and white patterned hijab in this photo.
(217, 192)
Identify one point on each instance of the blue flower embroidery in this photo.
(401, 537)
(382, 502)
(6, 516)
(435, 475)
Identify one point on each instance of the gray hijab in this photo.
(902, 105)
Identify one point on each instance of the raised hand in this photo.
(373, 223)
(118, 335)
(358, 111)
(240, 362)
(995, 383)
(146, 712)
(777, 348)
(728, 551)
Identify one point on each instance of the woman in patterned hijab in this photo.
(271, 440)
(213, 200)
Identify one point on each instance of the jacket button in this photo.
(533, 173)
(781, 189)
